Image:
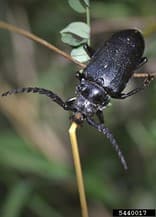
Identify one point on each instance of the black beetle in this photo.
(106, 75)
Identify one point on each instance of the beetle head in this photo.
(90, 98)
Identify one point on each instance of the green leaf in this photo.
(80, 29)
(71, 40)
(79, 54)
(77, 6)
(87, 2)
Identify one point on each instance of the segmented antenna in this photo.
(38, 90)
(101, 128)
(114, 143)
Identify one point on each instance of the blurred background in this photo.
(37, 177)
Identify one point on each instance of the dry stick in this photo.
(4, 25)
(78, 169)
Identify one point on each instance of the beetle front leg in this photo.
(132, 92)
(89, 50)
(142, 62)
(79, 75)
(100, 116)
(70, 103)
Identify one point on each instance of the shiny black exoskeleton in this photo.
(105, 77)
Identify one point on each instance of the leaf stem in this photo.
(88, 22)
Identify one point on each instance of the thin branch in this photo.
(7, 26)
(78, 170)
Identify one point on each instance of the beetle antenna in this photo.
(101, 128)
(38, 90)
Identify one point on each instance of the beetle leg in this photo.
(79, 75)
(142, 62)
(132, 92)
(70, 102)
(43, 91)
(100, 116)
(101, 128)
(89, 50)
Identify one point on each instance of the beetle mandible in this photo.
(105, 77)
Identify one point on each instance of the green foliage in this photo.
(77, 6)
(79, 54)
(77, 33)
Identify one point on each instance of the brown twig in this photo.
(41, 41)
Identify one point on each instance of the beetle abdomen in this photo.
(113, 64)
